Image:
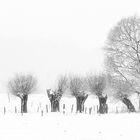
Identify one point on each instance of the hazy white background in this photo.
(52, 37)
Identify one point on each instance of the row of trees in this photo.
(122, 73)
(78, 86)
(22, 85)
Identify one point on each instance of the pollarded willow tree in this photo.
(21, 86)
(97, 85)
(123, 51)
(77, 88)
(55, 96)
(122, 89)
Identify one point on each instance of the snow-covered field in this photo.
(53, 126)
(68, 126)
(38, 102)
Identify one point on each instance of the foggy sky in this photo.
(48, 38)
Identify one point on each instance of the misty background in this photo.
(49, 38)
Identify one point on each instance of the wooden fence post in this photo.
(41, 112)
(46, 108)
(63, 108)
(97, 109)
(116, 109)
(90, 110)
(4, 110)
(85, 110)
(72, 108)
(15, 109)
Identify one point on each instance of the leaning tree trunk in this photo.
(103, 107)
(80, 100)
(24, 104)
(129, 104)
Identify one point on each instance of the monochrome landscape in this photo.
(69, 70)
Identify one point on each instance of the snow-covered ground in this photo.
(53, 126)
(68, 126)
(38, 102)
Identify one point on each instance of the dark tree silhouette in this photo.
(21, 86)
(97, 84)
(55, 96)
(77, 88)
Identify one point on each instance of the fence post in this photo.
(90, 110)
(15, 109)
(4, 110)
(116, 109)
(46, 108)
(63, 108)
(97, 109)
(85, 110)
(41, 112)
(72, 108)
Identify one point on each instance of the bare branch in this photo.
(62, 84)
(22, 85)
(122, 50)
(77, 85)
(97, 83)
(122, 88)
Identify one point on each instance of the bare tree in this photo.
(123, 51)
(122, 91)
(21, 86)
(77, 87)
(55, 96)
(97, 85)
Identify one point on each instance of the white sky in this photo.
(48, 38)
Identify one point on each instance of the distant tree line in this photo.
(121, 74)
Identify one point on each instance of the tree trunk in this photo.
(54, 105)
(24, 104)
(129, 105)
(103, 107)
(80, 100)
(54, 100)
